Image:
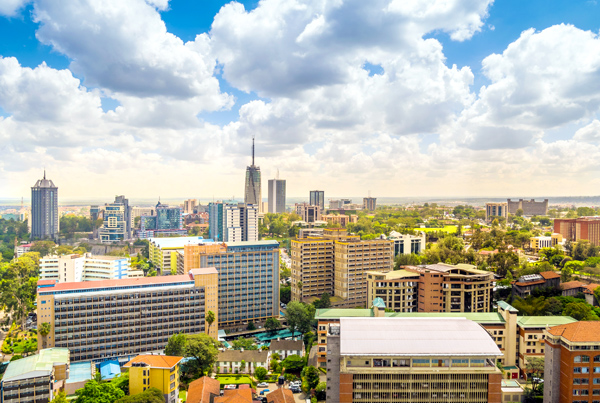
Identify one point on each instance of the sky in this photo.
(399, 98)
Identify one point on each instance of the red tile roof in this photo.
(126, 282)
(155, 361)
(578, 331)
(200, 390)
(569, 285)
(280, 395)
(46, 282)
(549, 275)
(235, 396)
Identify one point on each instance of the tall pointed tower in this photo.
(252, 193)
(44, 209)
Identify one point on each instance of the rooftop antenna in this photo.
(252, 150)
(44, 172)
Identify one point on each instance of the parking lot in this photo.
(298, 397)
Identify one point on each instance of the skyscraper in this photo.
(276, 195)
(44, 209)
(317, 198)
(252, 194)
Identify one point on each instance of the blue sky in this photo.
(348, 95)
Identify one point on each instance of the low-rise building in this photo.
(285, 348)
(524, 285)
(340, 219)
(20, 250)
(573, 288)
(411, 360)
(203, 390)
(163, 251)
(37, 378)
(155, 371)
(539, 242)
(572, 363)
(405, 244)
(230, 361)
(281, 395)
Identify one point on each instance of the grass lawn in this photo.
(233, 380)
(182, 395)
(450, 229)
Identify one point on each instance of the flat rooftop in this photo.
(125, 282)
(415, 337)
(36, 365)
(178, 242)
(395, 274)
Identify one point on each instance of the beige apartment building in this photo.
(433, 288)
(336, 263)
(352, 260)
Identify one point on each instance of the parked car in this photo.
(228, 387)
(263, 385)
(264, 392)
(296, 383)
(295, 389)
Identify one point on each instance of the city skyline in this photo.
(414, 99)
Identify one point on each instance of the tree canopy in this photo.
(94, 392)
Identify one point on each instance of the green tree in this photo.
(150, 395)
(44, 329)
(176, 345)
(293, 363)
(18, 288)
(210, 318)
(310, 378)
(321, 391)
(122, 382)
(519, 212)
(272, 324)
(325, 300)
(260, 373)
(285, 294)
(94, 392)
(246, 344)
(535, 367)
(300, 316)
(44, 248)
(202, 352)
(242, 365)
(580, 311)
(61, 397)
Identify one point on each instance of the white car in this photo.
(263, 385)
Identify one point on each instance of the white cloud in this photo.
(10, 8)
(589, 133)
(124, 47)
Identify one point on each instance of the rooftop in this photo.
(178, 242)
(543, 321)
(155, 361)
(36, 365)
(395, 274)
(246, 355)
(281, 395)
(252, 243)
(549, 274)
(507, 307)
(415, 336)
(200, 390)
(582, 331)
(479, 317)
(125, 282)
(572, 284)
(286, 345)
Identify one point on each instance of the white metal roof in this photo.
(415, 336)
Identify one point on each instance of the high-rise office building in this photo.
(370, 203)
(276, 196)
(99, 320)
(167, 221)
(317, 198)
(233, 222)
(252, 192)
(44, 209)
(248, 278)
(189, 206)
(117, 221)
(307, 212)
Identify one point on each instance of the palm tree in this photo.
(44, 330)
(210, 318)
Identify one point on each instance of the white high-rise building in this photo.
(240, 222)
(276, 196)
(74, 268)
